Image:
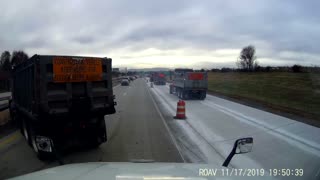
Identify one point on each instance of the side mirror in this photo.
(244, 145)
(241, 146)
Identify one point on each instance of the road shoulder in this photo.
(282, 111)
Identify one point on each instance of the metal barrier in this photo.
(4, 106)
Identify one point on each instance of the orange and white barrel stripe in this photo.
(181, 110)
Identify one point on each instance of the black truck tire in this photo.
(101, 135)
(185, 95)
(179, 93)
(203, 95)
(13, 113)
(43, 156)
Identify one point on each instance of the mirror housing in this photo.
(241, 146)
(244, 145)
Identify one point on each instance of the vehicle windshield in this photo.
(213, 85)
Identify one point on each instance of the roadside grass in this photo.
(296, 93)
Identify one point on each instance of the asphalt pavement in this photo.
(214, 124)
(143, 129)
(136, 133)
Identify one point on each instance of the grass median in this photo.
(295, 93)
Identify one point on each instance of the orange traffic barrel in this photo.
(181, 110)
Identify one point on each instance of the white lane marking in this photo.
(171, 108)
(312, 147)
(124, 94)
(166, 126)
(206, 136)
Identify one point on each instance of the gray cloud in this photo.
(97, 27)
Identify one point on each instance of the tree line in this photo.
(295, 69)
(247, 62)
(8, 60)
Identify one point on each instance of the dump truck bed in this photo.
(57, 85)
(159, 78)
(191, 80)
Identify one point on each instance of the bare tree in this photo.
(5, 61)
(18, 57)
(247, 60)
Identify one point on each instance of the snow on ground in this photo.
(279, 142)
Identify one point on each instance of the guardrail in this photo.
(5, 98)
(4, 106)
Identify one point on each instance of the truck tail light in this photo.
(196, 76)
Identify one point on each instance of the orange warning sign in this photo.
(76, 69)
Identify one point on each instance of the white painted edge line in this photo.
(253, 121)
(166, 125)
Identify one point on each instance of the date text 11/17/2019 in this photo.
(250, 172)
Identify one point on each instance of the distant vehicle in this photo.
(158, 78)
(126, 78)
(60, 101)
(124, 82)
(189, 84)
(131, 78)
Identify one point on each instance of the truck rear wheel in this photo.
(43, 156)
(185, 95)
(179, 93)
(100, 135)
(203, 95)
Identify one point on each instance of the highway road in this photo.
(214, 124)
(144, 129)
(135, 133)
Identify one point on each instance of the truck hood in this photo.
(128, 171)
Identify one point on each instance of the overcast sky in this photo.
(165, 33)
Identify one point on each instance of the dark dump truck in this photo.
(158, 78)
(60, 102)
(189, 84)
